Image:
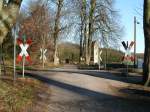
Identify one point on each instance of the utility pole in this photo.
(135, 41)
(135, 22)
(15, 31)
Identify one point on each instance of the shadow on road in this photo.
(136, 92)
(104, 74)
(104, 101)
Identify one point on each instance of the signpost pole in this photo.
(15, 54)
(23, 63)
(127, 70)
(43, 57)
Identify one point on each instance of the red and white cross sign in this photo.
(128, 56)
(24, 48)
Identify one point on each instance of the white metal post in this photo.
(43, 56)
(15, 36)
(127, 69)
(23, 63)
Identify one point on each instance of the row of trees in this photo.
(54, 20)
(86, 20)
(91, 19)
(97, 21)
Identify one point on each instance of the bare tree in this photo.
(91, 30)
(97, 21)
(61, 22)
(37, 26)
(57, 29)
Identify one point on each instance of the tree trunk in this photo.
(43, 48)
(84, 12)
(91, 21)
(86, 44)
(86, 49)
(81, 44)
(146, 66)
(81, 37)
(56, 30)
(88, 20)
(55, 52)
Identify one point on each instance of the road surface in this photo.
(93, 91)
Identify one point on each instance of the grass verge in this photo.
(19, 96)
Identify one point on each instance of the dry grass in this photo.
(13, 97)
(21, 96)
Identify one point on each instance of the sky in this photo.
(127, 10)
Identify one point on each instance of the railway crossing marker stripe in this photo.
(24, 48)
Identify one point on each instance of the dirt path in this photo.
(82, 91)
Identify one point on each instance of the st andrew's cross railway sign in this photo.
(24, 48)
(128, 59)
(43, 56)
(99, 56)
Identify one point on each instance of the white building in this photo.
(95, 52)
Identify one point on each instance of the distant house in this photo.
(94, 52)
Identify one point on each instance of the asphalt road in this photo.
(93, 91)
